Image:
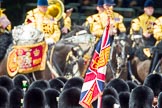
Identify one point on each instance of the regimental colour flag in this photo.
(95, 75)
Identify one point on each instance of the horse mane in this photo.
(5, 41)
(75, 29)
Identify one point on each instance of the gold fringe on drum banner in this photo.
(27, 59)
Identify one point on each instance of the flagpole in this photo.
(99, 102)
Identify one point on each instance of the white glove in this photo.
(49, 41)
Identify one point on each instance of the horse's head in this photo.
(26, 35)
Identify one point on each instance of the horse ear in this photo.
(86, 50)
(88, 28)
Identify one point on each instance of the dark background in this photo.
(16, 9)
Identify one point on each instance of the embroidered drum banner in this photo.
(26, 59)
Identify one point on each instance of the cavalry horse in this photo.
(118, 62)
(139, 63)
(65, 58)
(82, 36)
(21, 37)
(123, 63)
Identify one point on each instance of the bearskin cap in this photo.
(66, 102)
(124, 99)
(110, 91)
(34, 98)
(18, 80)
(63, 79)
(109, 101)
(6, 82)
(4, 97)
(154, 81)
(52, 97)
(42, 84)
(74, 82)
(141, 97)
(131, 85)
(56, 84)
(16, 96)
(119, 84)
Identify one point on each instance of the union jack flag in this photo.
(95, 75)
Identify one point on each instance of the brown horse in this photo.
(64, 59)
(124, 63)
(117, 65)
(140, 63)
(6, 42)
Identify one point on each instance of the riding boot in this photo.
(154, 61)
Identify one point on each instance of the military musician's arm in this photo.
(121, 25)
(135, 26)
(57, 33)
(158, 29)
(67, 24)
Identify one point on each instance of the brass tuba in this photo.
(55, 9)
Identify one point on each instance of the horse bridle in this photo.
(73, 60)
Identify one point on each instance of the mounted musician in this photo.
(56, 9)
(40, 19)
(32, 39)
(98, 21)
(5, 24)
(142, 27)
(158, 36)
(93, 21)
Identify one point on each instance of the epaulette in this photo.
(1, 11)
(92, 18)
(160, 19)
(118, 17)
(135, 20)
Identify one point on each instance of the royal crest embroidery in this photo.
(26, 59)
